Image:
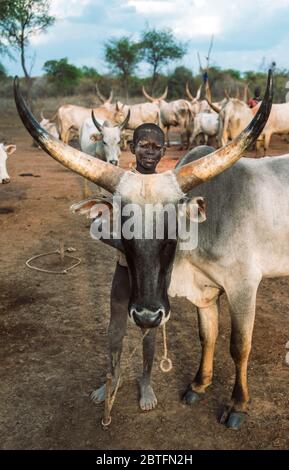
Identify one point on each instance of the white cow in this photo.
(173, 114)
(206, 124)
(99, 138)
(5, 150)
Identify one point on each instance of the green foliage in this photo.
(21, 19)
(177, 82)
(89, 72)
(3, 73)
(122, 56)
(64, 76)
(159, 49)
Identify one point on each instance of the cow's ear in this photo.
(195, 209)
(92, 208)
(9, 149)
(96, 137)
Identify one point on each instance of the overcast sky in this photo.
(245, 31)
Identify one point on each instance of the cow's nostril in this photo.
(146, 318)
(114, 162)
(6, 181)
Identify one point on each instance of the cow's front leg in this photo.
(242, 309)
(208, 332)
(148, 400)
(117, 327)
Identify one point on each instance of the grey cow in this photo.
(232, 256)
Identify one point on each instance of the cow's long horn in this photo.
(104, 174)
(146, 95)
(198, 95)
(125, 122)
(109, 100)
(100, 96)
(213, 106)
(189, 94)
(211, 165)
(96, 123)
(164, 95)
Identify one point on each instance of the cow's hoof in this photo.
(190, 397)
(235, 420)
(232, 419)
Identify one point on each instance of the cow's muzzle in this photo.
(5, 181)
(114, 162)
(145, 318)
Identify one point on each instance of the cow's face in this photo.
(5, 150)
(149, 237)
(111, 139)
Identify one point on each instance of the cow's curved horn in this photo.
(125, 122)
(104, 174)
(189, 94)
(42, 115)
(213, 106)
(227, 94)
(205, 168)
(146, 95)
(198, 95)
(96, 123)
(109, 100)
(164, 95)
(99, 95)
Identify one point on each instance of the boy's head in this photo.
(148, 147)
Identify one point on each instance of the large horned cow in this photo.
(244, 238)
(70, 117)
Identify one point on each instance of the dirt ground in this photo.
(53, 343)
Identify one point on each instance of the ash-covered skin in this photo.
(148, 148)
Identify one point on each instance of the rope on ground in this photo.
(61, 253)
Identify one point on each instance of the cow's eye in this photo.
(105, 143)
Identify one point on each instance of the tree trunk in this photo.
(126, 86)
(154, 79)
(28, 80)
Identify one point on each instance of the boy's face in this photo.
(148, 151)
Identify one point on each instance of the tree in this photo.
(63, 75)
(89, 72)
(177, 81)
(19, 21)
(159, 48)
(3, 73)
(123, 55)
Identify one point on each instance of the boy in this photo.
(148, 148)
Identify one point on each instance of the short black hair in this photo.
(146, 129)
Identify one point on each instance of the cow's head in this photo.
(153, 99)
(149, 258)
(5, 150)
(110, 137)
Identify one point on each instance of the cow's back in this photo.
(247, 215)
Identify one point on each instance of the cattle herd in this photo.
(244, 237)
